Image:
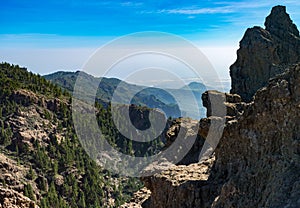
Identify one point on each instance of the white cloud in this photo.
(236, 6)
(218, 10)
(224, 7)
(191, 17)
(131, 4)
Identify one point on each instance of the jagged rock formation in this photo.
(233, 107)
(232, 102)
(264, 53)
(259, 155)
(188, 128)
(257, 160)
(179, 186)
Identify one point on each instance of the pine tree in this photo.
(31, 175)
(81, 201)
(28, 191)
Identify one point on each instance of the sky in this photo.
(46, 36)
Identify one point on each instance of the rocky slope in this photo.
(42, 163)
(140, 95)
(257, 160)
(264, 53)
(13, 175)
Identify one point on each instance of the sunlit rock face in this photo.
(257, 160)
(264, 53)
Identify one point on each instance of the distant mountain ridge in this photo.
(164, 99)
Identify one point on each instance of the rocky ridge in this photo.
(264, 53)
(258, 157)
(256, 162)
(180, 186)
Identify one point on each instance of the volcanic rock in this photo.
(264, 53)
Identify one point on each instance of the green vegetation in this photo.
(150, 97)
(82, 182)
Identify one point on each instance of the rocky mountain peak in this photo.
(256, 161)
(279, 22)
(265, 53)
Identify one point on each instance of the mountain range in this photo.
(182, 102)
(246, 157)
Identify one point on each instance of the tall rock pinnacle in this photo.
(264, 53)
(279, 23)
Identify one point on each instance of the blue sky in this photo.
(38, 34)
(193, 19)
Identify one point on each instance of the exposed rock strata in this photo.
(187, 127)
(232, 102)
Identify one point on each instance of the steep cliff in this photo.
(256, 163)
(258, 157)
(257, 160)
(264, 53)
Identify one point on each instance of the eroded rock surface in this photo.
(12, 199)
(257, 159)
(179, 186)
(265, 53)
(12, 180)
(186, 129)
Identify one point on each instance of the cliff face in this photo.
(258, 157)
(256, 163)
(264, 53)
(257, 160)
(180, 186)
